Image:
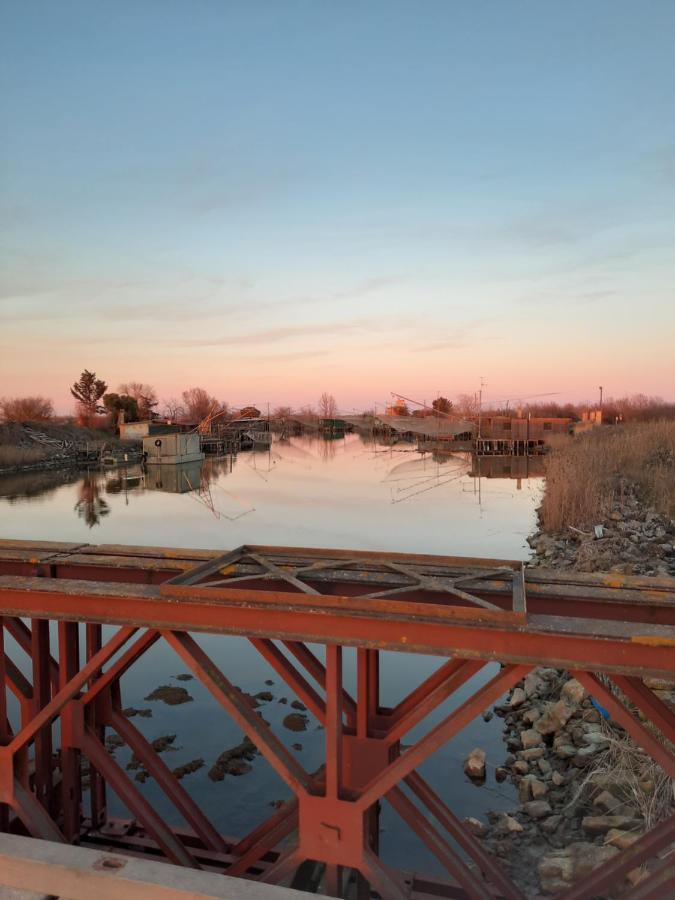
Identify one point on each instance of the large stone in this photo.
(475, 826)
(508, 825)
(537, 809)
(602, 824)
(532, 753)
(531, 788)
(550, 825)
(562, 868)
(518, 697)
(533, 683)
(565, 750)
(573, 691)
(606, 802)
(621, 839)
(474, 764)
(538, 789)
(530, 738)
(554, 718)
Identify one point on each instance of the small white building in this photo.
(172, 449)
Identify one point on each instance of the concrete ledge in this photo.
(30, 867)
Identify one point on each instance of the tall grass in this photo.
(20, 456)
(585, 475)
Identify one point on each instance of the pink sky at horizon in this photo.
(356, 199)
(357, 379)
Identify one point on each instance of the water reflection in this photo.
(91, 506)
(348, 491)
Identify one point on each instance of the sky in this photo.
(275, 199)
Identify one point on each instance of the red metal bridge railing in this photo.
(609, 632)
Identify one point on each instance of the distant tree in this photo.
(249, 412)
(467, 405)
(442, 404)
(327, 406)
(398, 408)
(173, 410)
(145, 396)
(308, 412)
(26, 409)
(282, 412)
(198, 404)
(116, 403)
(88, 392)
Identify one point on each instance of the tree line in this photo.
(97, 406)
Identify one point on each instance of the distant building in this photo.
(172, 448)
(334, 426)
(537, 429)
(590, 419)
(135, 431)
(429, 428)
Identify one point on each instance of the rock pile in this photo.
(559, 833)
(633, 540)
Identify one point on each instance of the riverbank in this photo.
(39, 446)
(586, 790)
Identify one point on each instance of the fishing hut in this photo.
(430, 432)
(172, 449)
(249, 433)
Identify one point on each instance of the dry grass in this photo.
(586, 475)
(20, 456)
(632, 777)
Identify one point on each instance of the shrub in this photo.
(26, 409)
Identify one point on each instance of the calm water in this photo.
(345, 493)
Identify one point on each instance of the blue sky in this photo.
(273, 199)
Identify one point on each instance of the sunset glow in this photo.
(271, 200)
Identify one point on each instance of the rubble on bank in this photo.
(568, 821)
(580, 802)
(633, 539)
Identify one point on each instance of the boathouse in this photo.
(172, 449)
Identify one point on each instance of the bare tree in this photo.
(198, 404)
(282, 412)
(327, 406)
(173, 409)
(26, 409)
(145, 396)
(467, 405)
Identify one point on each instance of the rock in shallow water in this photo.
(474, 764)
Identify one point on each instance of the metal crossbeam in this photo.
(465, 611)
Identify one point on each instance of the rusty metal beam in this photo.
(563, 642)
(467, 611)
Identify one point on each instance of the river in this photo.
(347, 493)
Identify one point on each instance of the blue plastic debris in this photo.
(601, 709)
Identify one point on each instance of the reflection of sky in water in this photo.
(305, 492)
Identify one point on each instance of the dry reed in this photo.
(20, 456)
(587, 475)
(635, 779)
